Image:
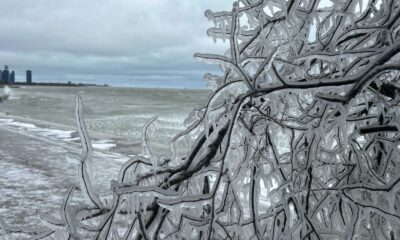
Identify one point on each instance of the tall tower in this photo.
(6, 75)
(28, 76)
(12, 77)
(1, 76)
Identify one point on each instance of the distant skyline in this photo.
(117, 42)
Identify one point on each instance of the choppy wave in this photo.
(118, 111)
(130, 126)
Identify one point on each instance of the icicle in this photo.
(154, 162)
(115, 233)
(62, 235)
(87, 150)
(86, 187)
(391, 198)
(223, 27)
(85, 167)
(145, 147)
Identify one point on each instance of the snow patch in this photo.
(103, 144)
(57, 134)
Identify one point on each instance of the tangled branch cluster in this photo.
(298, 140)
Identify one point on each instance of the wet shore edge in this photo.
(101, 141)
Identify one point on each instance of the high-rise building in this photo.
(28, 76)
(12, 77)
(1, 76)
(6, 75)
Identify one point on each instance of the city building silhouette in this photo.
(28, 76)
(12, 77)
(6, 75)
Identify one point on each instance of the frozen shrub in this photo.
(298, 140)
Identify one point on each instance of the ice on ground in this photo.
(36, 173)
(104, 144)
(21, 125)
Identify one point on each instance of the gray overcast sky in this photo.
(118, 42)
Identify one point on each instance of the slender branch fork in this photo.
(298, 140)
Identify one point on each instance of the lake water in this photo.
(118, 111)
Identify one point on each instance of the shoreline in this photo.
(101, 141)
(18, 84)
(75, 85)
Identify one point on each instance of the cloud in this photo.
(95, 37)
